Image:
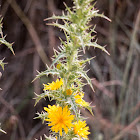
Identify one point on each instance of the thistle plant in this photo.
(9, 45)
(64, 117)
(3, 41)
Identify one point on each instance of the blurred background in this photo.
(116, 78)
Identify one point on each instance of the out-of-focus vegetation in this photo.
(116, 78)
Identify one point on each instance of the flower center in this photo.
(61, 120)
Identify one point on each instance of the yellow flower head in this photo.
(80, 101)
(69, 92)
(59, 118)
(58, 66)
(81, 129)
(54, 85)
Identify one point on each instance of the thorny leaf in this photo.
(84, 75)
(46, 73)
(2, 63)
(94, 44)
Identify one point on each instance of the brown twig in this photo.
(126, 129)
(51, 34)
(102, 88)
(31, 30)
(112, 82)
(36, 58)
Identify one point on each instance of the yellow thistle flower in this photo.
(54, 85)
(59, 118)
(58, 66)
(81, 129)
(79, 100)
(69, 92)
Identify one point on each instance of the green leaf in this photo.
(90, 109)
(60, 55)
(71, 102)
(42, 116)
(2, 131)
(57, 17)
(102, 15)
(46, 73)
(39, 97)
(2, 39)
(82, 43)
(1, 25)
(49, 138)
(87, 60)
(9, 45)
(52, 95)
(2, 63)
(94, 44)
(84, 75)
(63, 27)
(70, 12)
